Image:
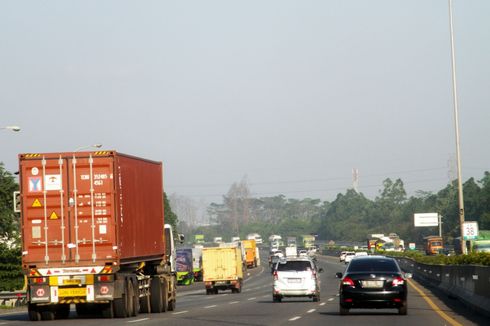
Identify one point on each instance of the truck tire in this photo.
(121, 304)
(107, 310)
(145, 305)
(33, 312)
(156, 295)
(131, 309)
(164, 296)
(47, 315)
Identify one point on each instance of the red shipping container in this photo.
(90, 208)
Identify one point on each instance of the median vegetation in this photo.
(480, 258)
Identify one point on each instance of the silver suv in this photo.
(296, 277)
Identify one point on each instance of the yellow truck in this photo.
(222, 269)
(250, 252)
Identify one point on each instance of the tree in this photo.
(9, 225)
(170, 217)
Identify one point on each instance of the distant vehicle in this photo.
(184, 263)
(348, 256)
(482, 242)
(235, 239)
(433, 244)
(256, 237)
(360, 253)
(223, 269)
(295, 277)
(250, 252)
(199, 239)
(291, 251)
(303, 253)
(342, 256)
(197, 262)
(218, 240)
(291, 241)
(373, 282)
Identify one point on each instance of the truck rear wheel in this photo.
(164, 296)
(145, 304)
(62, 311)
(107, 310)
(121, 304)
(156, 295)
(33, 312)
(131, 308)
(47, 315)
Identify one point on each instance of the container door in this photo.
(65, 219)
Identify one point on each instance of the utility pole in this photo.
(456, 127)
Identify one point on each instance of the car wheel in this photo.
(343, 311)
(403, 310)
(316, 298)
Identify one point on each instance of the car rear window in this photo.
(299, 266)
(373, 265)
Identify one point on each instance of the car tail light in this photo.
(275, 276)
(348, 281)
(397, 281)
(397, 300)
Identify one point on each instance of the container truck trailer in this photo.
(93, 235)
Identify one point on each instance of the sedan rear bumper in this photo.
(371, 299)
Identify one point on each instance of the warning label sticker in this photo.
(36, 203)
(53, 216)
(35, 184)
(52, 182)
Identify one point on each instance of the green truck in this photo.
(199, 239)
(185, 273)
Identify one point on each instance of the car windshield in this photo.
(297, 265)
(372, 265)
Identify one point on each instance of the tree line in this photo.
(351, 216)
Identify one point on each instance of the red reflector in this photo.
(39, 280)
(275, 275)
(347, 300)
(397, 300)
(104, 278)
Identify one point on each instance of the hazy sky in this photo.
(290, 94)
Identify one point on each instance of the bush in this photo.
(481, 258)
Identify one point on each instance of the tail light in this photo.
(38, 280)
(347, 281)
(275, 275)
(397, 281)
(104, 278)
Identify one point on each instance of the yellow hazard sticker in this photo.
(37, 203)
(53, 216)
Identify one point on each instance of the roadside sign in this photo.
(470, 230)
(426, 219)
(411, 246)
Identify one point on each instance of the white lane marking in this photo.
(138, 320)
(246, 290)
(331, 299)
(250, 299)
(225, 294)
(310, 311)
(265, 296)
(323, 303)
(180, 312)
(295, 318)
(337, 295)
(212, 306)
(233, 302)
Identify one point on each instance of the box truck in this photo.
(184, 262)
(93, 235)
(250, 253)
(222, 269)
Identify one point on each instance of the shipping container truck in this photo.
(250, 253)
(433, 244)
(197, 262)
(93, 235)
(222, 269)
(184, 263)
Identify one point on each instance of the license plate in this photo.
(294, 280)
(72, 292)
(71, 282)
(372, 284)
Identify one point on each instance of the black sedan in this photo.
(373, 282)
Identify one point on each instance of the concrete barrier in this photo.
(468, 283)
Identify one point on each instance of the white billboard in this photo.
(426, 219)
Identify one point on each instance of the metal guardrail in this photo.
(13, 299)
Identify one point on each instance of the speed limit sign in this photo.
(470, 230)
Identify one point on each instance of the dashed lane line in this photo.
(295, 318)
(323, 303)
(211, 306)
(180, 312)
(331, 299)
(310, 311)
(138, 320)
(233, 302)
(250, 299)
